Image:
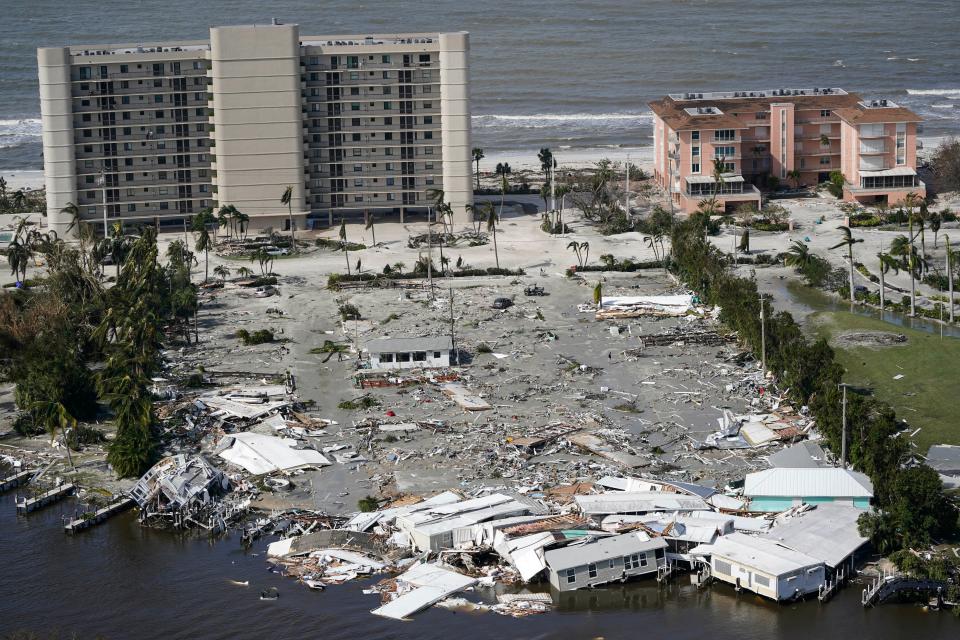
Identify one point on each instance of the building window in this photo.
(164, 206)
(356, 152)
(390, 196)
(592, 570)
(387, 106)
(131, 207)
(824, 113)
(428, 151)
(695, 167)
(763, 581)
(825, 161)
(631, 562)
(390, 182)
(571, 576)
(901, 145)
(358, 182)
(643, 559)
(354, 75)
(694, 135)
(725, 135)
(419, 356)
(386, 357)
(428, 135)
(724, 152)
(428, 105)
(719, 566)
(354, 106)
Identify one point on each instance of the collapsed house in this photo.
(827, 532)
(778, 489)
(638, 502)
(454, 525)
(178, 487)
(762, 566)
(260, 454)
(637, 306)
(597, 561)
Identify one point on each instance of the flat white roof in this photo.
(639, 501)
(759, 93)
(758, 553)
(828, 532)
(831, 482)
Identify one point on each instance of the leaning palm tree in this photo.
(585, 247)
(287, 199)
(222, 272)
(848, 242)
(371, 228)
(798, 256)
(652, 242)
(574, 246)
(492, 226)
(477, 157)
(73, 211)
(719, 168)
(244, 272)
(794, 174)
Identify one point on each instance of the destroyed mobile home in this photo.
(571, 453)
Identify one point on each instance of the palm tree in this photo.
(848, 242)
(53, 416)
(887, 263)
(243, 223)
(221, 272)
(287, 199)
(343, 243)
(371, 228)
(574, 246)
(18, 257)
(204, 244)
(719, 168)
(224, 219)
(19, 200)
(244, 272)
(936, 219)
(561, 191)
(504, 187)
(794, 174)
(492, 226)
(399, 267)
(264, 259)
(477, 157)
(73, 211)
(652, 242)
(585, 247)
(545, 156)
(798, 256)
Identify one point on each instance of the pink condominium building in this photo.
(793, 135)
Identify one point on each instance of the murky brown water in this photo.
(121, 581)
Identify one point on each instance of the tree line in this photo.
(912, 509)
(69, 341)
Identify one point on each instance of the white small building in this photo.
(762, 566)
(607, 559)
(410, 353)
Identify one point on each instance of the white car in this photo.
(266, 291)
(277, 251)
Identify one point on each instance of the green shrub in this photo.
(349, 312)
(483, 347)
(260, 336)
(368, 504)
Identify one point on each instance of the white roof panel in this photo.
(832, 482)
(828, 532)
(759, 553)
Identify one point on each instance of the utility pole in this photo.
(430, 251)
(883, 296)
(763, 338)
(843, 442)
(103, 194)
(453, 340)
(627, 207)
(553, 193)
(950, 275)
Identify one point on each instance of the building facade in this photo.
(610, 559)
(410, 353)
(796, 136)
(353, 125)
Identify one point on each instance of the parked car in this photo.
(502, 303)
(534, 291)
(265, 291)
(277, 251)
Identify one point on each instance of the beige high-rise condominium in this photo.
(354, 125)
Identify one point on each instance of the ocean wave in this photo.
(14, 133)
(541, 120)
(943, 106)
(949, 93)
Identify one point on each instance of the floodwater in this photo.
(801, 301)
(119, 580)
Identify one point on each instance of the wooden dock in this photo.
(17, 479)
(26, 505)
(92, 519)
(889, 585)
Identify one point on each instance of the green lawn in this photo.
(926, 396)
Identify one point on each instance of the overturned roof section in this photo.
(405, 345)
(826, 483)
(597, 550)
(828, 533)
(261, 454)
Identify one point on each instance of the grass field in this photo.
(927, 395)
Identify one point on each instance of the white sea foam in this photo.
(14, 133)
(949, 93)
(541, 120)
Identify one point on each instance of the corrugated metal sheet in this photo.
(758, 553)
(828, 533)
(577, 555)
(639, 502)
(405, 345)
